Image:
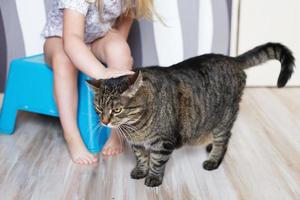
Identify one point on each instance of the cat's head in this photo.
(119, 100)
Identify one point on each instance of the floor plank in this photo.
(262, 161)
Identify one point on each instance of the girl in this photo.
(80, 34)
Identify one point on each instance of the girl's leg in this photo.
(113, 50)
(66, 96)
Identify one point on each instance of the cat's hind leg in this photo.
(217, 150)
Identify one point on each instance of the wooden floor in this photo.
(263, 160)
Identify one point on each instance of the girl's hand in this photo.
(113, 73)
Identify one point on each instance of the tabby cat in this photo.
(159, 109)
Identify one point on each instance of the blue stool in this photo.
(29, 88)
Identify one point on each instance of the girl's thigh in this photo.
(113, 49)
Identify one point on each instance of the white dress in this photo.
(94, 28)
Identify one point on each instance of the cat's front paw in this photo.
(138, 173)
(153, 181)
(210, 164)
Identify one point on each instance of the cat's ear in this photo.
(135, 81)
(94, 84)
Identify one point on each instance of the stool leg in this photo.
(10, 101)
(8, 115)
(93, 134)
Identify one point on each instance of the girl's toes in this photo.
(78, 161)
(104, 151)
(85, 161)
(90, 157)
(108, 152)
(111, 153)
(118, 151)
(95, 158)
(90, 161)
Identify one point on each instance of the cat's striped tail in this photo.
(269, 51)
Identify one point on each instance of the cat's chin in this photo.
(109, 125)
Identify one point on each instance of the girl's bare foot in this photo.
(78, 151)
(114, 144)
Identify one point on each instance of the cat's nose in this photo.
(105, 120)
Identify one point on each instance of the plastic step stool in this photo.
(29, 87)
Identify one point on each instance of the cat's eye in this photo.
(117, 110)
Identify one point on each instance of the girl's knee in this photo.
(118, 50)
(116, 46)
(119, 60)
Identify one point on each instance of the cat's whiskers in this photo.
(132, 132)
(120, 137)
(126, 131)
(132, 128)
(122, 131)
(125, 128)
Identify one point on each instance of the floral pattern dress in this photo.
(94, 27)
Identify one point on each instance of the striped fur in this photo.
(161, 109)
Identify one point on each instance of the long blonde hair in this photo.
(136, 9)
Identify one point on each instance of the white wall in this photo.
(32, 18)
(262, 21)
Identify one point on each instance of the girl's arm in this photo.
(79, 53)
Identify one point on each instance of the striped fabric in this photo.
(193, 27)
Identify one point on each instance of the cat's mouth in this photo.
(109, 125)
